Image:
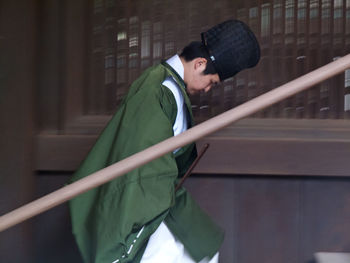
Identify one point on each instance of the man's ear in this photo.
(200, 62)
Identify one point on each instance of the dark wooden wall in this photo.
(17, 83)
(277, 219)
(265, 218)
(280, 188)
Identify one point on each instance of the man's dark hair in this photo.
(197, 50)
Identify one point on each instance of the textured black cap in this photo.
(232, 47)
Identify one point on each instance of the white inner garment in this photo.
(180, 124)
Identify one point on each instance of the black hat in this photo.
(232, 47)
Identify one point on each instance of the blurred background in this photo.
(277, 182)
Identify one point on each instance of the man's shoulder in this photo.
(148, 81)
(157, 71)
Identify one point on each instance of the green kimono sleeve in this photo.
(114, 221)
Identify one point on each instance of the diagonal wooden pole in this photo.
(214, 124)
(193, 165)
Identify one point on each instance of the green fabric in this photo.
(115, 220)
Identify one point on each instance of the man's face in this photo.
(198, 82)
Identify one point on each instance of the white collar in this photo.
(176, 64)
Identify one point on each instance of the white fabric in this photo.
(164, 247)
(180, 124)
(176, 64)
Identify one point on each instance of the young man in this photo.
(139, 217)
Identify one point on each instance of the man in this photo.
(139, 217)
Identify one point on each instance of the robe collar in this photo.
(174, 64)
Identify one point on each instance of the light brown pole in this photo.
(107, 174)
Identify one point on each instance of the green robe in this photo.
(114, 221)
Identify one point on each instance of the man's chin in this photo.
(192, 92)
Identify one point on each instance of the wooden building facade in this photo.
(277, 182)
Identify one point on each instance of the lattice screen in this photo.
(295, 36)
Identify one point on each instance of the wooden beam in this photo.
(251, 146)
